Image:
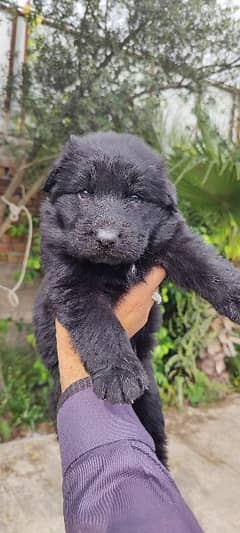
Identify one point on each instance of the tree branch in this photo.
(162, 88)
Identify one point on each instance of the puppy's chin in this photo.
(110, 260)
(109, 256)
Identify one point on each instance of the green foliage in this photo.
(188, 325)
(207, 176)
(34, 261)
(5, 430)
(4, 326)
(233, 366)
(202, 391)
(185, 324)
(24, 384)
(226, 238)
(161, 352)
(18, 230)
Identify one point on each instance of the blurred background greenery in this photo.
(123, 66)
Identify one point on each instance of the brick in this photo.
(4, 248)
(8, 245)
(19, 247)
(14, 258)
(3, 258)
(5, 238)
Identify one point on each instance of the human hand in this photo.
(132, 312)
(134, 307)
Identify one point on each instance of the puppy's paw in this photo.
(230, 307)
(120, 384)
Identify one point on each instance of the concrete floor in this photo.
(205, 462)
(204, 457)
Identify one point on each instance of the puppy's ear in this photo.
(68, 152)
(168, 188)
(52, 178)
(161, 186)
(171, 195)
(73, 141)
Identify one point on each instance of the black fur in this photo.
(110, 216)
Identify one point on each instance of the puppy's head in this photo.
(106, 207)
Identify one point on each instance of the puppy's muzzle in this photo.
(107, 237)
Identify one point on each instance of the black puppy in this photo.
(111, 215)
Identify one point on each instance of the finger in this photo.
(155, 277)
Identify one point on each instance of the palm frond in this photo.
(207, 176)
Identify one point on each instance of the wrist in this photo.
(71, 368)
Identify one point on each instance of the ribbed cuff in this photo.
(77, 386)
(85, 422)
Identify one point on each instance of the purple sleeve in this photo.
(112, 479)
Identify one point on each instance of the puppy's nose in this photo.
(107, 236)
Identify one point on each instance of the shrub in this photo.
(24, 386)
(185, 323)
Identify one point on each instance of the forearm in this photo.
(112, 480)
(71, 368)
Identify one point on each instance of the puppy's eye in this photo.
(134, 198)
(84, 194)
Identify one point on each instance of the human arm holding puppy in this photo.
(112, 478)
(132, 312)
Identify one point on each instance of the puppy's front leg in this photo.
(193, 265)
(104, 348)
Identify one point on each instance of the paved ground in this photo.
(205, 462)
